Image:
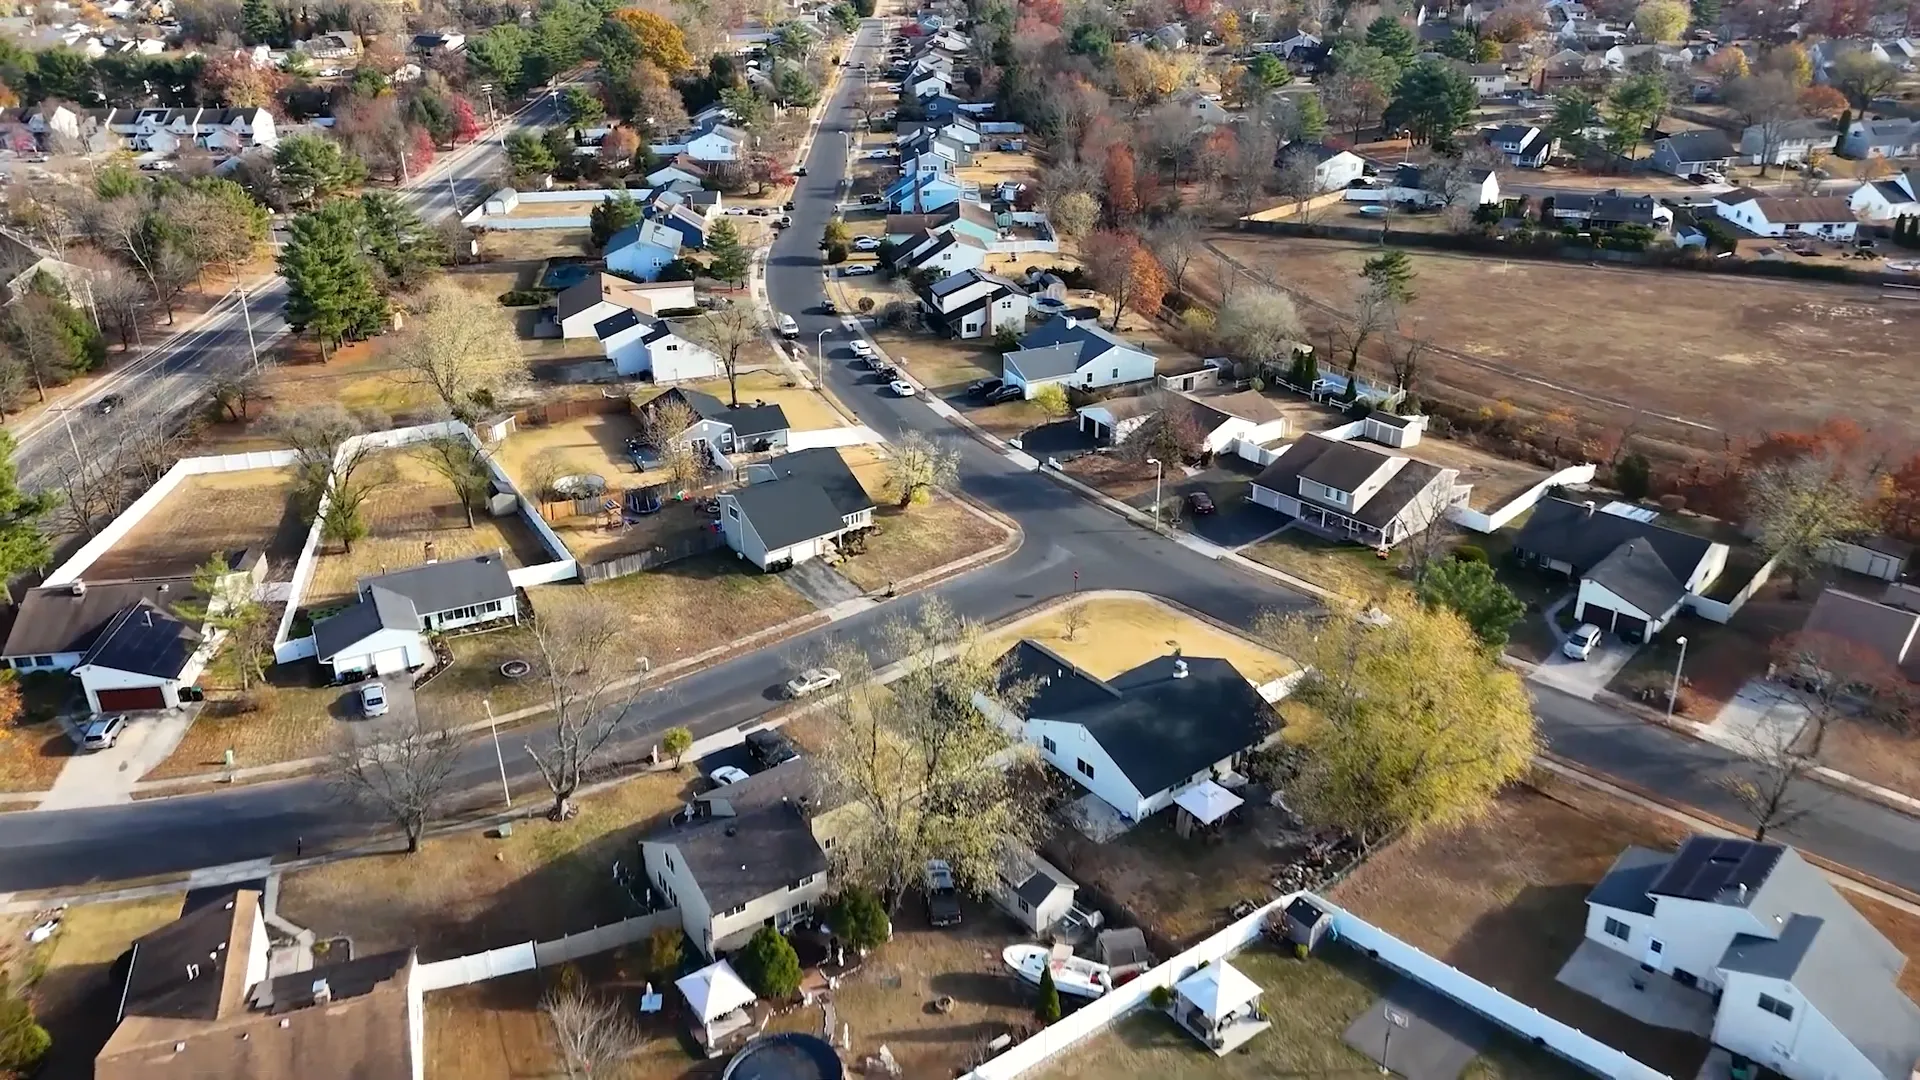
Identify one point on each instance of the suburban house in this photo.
(755, 428)
(1875, 555)
(926, 189)
(643, 249)
(1792, 140)
(1888, 628)
(1609, 209)
(1411, 185)
(1888, 138)
(167, 131)
(1525, 145)
(648, 348)
(1489, 80)
(383, 632)
(1140, 739)
(55, 626)
(680, 170)
(794, 508)
(1358, 489)
(197, 1001)
(714, 141)
(931, 142)
(1223, 417)
(1333, 168)
(1204, 110)
(741, 857)
(141, 659)
(1828, 217)
(1889, 199)
(446, 41)
(1792, 975)
(958, 128)
(950, 251)
(1685, 153)
(598, 297)
(23, 261)
(974, 303)
(1036, 893)
(1071, 352)
(1635, 575)
(967, 218)
(338, 46)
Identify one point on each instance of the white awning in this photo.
(1207, 801)
(1218, 989)
(714, 991)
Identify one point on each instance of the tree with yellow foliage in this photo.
(1417, 726)
(658, 39)
(1228, 27)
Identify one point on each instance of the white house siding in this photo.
(1338, 171)
(387, 652)
(668, 873)
(1072, 744)
(799, 553)
(65, 661)
(712, 147)
(1639, 928)
(1860, 560)
(785, 907)
(1222, 438)
(1710, 568)
(1694, 935)
(95, 679)
(581, 325)
(1747, 215)
(1600, 597)
(1805, 1047)
(673, 359)
(509, 607)
(1274, 500)
(740, 533)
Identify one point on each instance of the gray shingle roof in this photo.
(443, 586)
(381, 609)
(52, 619)
(1634, 572)
(788, 512)
(1061, 346)
(1566, 532)
(144, 640)
(1345, 466)
(1705, 144)
(1626, 884)
(751, 838)
(746, 421)
(824, 468)
(615, 323)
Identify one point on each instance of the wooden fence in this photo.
(682, 547)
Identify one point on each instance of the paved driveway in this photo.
(1234, 523)
(107, 776)
(402, 709)
(1586, 678)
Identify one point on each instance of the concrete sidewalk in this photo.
(108, 776)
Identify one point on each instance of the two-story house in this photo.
(974, 303)
(1756, 942)
(1893, 137)
(795, 507)
(1525, 146)
(710, 143)
(1607, 209)
(167, 131)
(1358, 489)
(741, 857)
(1489, 80)
(1786, 142)
(644, 248)
(644, 347)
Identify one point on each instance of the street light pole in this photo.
(494, 727)
(1158, 471)
(66, 419)
(1675, 692)
(820, 356)
(246, 316)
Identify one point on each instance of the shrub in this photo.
(1633, 476)
(1673, 504)
(23, 1042)
(525, 297)
(858, 918)
(865, 305)
(1005, 339)
(1052, 399)
(836, 254)
(1047, 1009)
(1470, 553)
(1160, 997)
(770, 966)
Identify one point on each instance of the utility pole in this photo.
(246, 315)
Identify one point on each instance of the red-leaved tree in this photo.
(466, 125)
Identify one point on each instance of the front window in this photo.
(1086, 770)
(1774, 1005)
(1617, 929)
(1047, 744)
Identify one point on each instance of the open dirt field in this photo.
(1737, 355)
(413, 508)
(208, 513)
(1504, 900)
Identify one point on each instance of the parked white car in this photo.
(789, 328)
(866, 243)
(373, 700)
(857, 269)
(861, 350)
(901, 387)
(727, 774)
(1581, 643)
(881, 154)
(811, 681)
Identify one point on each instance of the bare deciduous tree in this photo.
(1427, 514)
(1767, 785)
(727, 332)
(1798, 505)
(403, 774)
(1259, 325)
(461, 347)
(464, 467)
(662, 421)
(594, 1033)
(1175, 241)
(584, 660)
(235, 393)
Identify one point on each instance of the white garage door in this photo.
(390, 661)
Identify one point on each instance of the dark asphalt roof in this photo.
(145, 640)
(443, 586)
(1626, 884)
(1394, 496)
(751, 838)
(746, 421)
(613, 324)
(1566, 532)
(788, 512)
(1345, 466)
(1061, 346)
(1634, 572)
(179, 971)
(1056, 684)
(1889, 632)
(1705, 144)
(822, 467)
(381, 609)
(54, 620)
(1161, 729)
(1037, 887)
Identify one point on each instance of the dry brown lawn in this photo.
(290, 723)
(918, 539)
(70, 974)
(532, 245)
(32, 753)
(467, 891)
(1873, 751)
(415, 507)
(685, 608)
(1121, 633)
(943, 365)
(806, 409)
(1348, 569)
(1742, 354)
(213, 512)
(1496, 480)
(492, 1030)
(1503, 900)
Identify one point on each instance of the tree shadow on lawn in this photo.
(1520, 947)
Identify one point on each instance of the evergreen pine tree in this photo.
(262, 23)
(1846, 121)
(330, 288)
(1047, 1010)
(611, 216)
(729, 258)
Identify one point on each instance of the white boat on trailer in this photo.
(1072, 974)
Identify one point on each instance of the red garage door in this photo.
(145, 697)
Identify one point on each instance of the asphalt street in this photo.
(172, 377)
(1063, 535)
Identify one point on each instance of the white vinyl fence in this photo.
(1497, 519)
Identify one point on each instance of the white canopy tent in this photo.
(1218, 990)
(1207, 801)
(714, 991)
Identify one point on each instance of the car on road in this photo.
(788, 205)
(102, 732)
(943, 896)
(901, 388)
(107, 404)
(828, 307)
(1009, 392)
(770, 748)
(881, 154)
(373, 700)
(789, 328)
(759, 211)
(1199, 502)
(870, 199)
(857, 270)
(1581, 643)
(983, 387)
(737, 211)
(799, 170)
(866, 243)
(812, 681)
(861, 350)
(727, 774)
